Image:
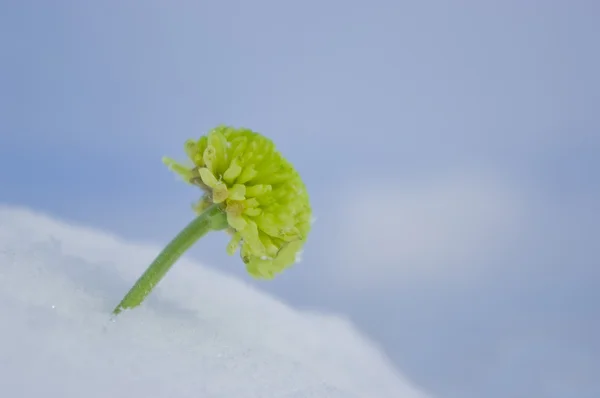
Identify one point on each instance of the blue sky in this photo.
(450, 149)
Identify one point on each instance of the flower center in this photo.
(235, 207)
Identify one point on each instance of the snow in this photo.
(200, 334)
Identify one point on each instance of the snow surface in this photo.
(200, 334)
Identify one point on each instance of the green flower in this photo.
(251, 191)
(265, 200)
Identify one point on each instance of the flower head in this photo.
(264, 198)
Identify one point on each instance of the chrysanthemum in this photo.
(264, 198)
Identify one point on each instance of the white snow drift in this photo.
(200, 334)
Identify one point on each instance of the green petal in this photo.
(250, 236)
(191, 148)
(219, 143)
(237, 192)
(210, 158)
(220, 193)
(288, 253)
(232, 172)
(184, 172)
(236, 222)
(234, 243)
(257, 190)
(270, 246)
(251, 203)
(246, 175)
(253, 211)
(208, 177)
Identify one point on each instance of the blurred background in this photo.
(451, 150)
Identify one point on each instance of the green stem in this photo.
(212, 218)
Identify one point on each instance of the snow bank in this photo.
(200, 334)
